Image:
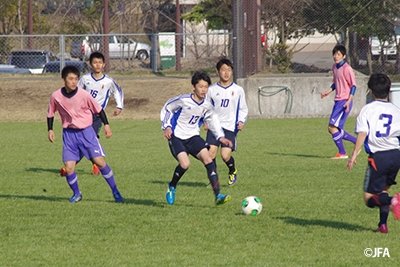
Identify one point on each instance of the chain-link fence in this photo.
(126, 52)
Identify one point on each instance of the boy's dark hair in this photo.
(69, 69)
(380, 85)
(96, 55)
(224, 61)
(200, 75)
(341, 48)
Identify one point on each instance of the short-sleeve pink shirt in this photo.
(76, 111)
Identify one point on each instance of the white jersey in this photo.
(185, 116)
(229, 104)
(381, 121)
(102, 88)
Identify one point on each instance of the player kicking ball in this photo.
(181, 118)
(378, 130)
(75, 107)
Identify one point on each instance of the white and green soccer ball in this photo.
(251, 205)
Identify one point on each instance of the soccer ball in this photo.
(251, 206)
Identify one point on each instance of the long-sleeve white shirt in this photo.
(102, 88)
(229, 104)
(184, 115)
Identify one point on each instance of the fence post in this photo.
(62, 52)
(153, 52)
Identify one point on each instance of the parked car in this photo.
(12, 69)
(119, 47)
(389, 48)
(76, 50)
(54, 66)
(34, 60)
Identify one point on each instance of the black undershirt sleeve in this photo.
(103, 117)
(50, 122)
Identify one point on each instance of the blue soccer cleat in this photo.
(75, 198)
(170, 195)
(221, 199)
(117, 196)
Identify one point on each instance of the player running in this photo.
(100, 86)
(181, 118)
(229, 104)
(378, 129)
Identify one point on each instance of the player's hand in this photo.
(240, 125)
(225, 141)
(51, 136)
(347, 106)
(167, 133)
(117, 111)
(325, 94)
(351, 161)
(107, 131)
(206, 127)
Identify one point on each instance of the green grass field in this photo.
(313, 212)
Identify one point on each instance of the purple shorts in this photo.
(80, 142)
(339, 115)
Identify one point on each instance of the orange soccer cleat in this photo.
(95, 170)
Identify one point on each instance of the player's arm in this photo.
(167, 112)
(330, 90)
(215, 127)
(118, 97)
(243, 111)
(107, 128)
(50, 132)
(357, 147)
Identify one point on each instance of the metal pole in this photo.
(30, 25)
(62, 52)
(237, 11)
(178, 36)
(106, 40)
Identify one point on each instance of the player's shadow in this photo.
(295, 155)
(184, 183)
(57, 171)
(324, 223)
(38, 198)
(144, 202)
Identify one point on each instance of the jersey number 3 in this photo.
(385, 120)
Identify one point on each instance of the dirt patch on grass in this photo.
(25, 97)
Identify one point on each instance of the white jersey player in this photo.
(181, 118)
(229, 103)
(378, 130)
(101, 86)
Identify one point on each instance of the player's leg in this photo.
(198, 149)
(226, 155)
(70, 155)
(342, 122)
(213, 145)
(92, 150)
(97, 123)
(333, 128)
(178, 150)
(380, 175)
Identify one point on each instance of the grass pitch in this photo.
(313, 213)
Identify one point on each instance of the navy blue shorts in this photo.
(191, 146)
(381, 170)
(211, 140)
(339, 115)
(97, 123)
